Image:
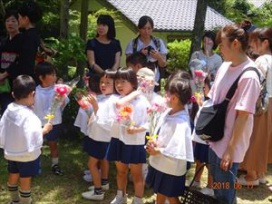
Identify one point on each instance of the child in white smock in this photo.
(21, 137)
(172, 149)
(127, 142)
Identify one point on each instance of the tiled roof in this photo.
(258, 3)
(168, 15)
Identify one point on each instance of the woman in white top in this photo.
(211, 60)
(154, 48)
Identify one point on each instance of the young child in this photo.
(81, 122)
(172, 149)
(99, 138)
(45, 93)
(201, 150)
(127, 143)
(136, 61)
(23, 156)
(147, 83)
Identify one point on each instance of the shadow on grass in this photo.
(51, 189)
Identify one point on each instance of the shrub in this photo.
(178, 56)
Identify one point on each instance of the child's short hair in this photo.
(44, 68)
(32, 10)
(180, 74)
(137, 58)
(23, 85)
(109, 73)
(128, 74)
(180, 87)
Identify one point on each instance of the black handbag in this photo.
(211, 121)
(194, 196)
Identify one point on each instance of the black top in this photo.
(27, 56)
(10, 50)
(104, 53)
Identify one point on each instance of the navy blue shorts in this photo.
(24, 169)
(96, 149)
(127, 154)
(201, 152)
(165, 184)
(54, 134)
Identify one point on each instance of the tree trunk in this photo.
(83, 35)
(64, 18)
(199, 24)
(64, 29)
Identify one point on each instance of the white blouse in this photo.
(139, 117)
(82, 119)
(98, 127)
(264, 63)
(174, 142)
(43, 100)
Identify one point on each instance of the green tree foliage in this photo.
(178, 55)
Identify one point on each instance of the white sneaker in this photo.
(137, 200)
(119, 198)
(88, 177)
(86, 171)
(262, 180)
(195, 184)
(104, 187)
(90, 195)
(207, 191)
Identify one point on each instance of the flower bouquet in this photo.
(154, 112)
(61, 92)
(82, 100)
(146, 87)
(124, 116)
(199, 78)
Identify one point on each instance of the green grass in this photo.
(51, 189)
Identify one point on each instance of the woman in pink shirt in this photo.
(226, 154)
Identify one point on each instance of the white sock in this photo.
(55, 161)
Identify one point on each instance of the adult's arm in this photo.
(240, 124)
(91, 62)
(117, 61)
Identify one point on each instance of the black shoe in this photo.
(56, 170)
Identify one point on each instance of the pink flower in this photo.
(193, 99)
(154, 112)
(200, 73)
(61, 89)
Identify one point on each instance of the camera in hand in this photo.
(149, 49)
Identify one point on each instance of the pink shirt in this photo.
(244, 99)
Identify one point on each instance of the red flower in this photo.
(199, 73)
(61, 90)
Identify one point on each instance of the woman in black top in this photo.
(29, 14)
(10, 49)
(103, 51)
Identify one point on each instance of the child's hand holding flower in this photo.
(151, 147)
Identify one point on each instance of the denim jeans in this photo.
(224, 182)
